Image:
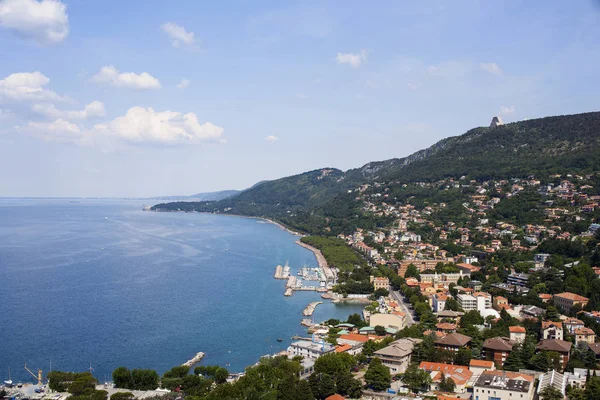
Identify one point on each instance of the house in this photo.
(517, 334)
(439, 302)
(567, 300)
(570, 324)
(545, 297)
(552, 330)
(496, 349)
(504, 385)
(467, 268)
(308, 349)
(458, 373)
(500, 303)
(532, 312)
(452, 342)
(475, 285)
(584, 335)
(352, 339)
(335, 397)
(560, 346)
(595, 347)
(446, 327)
(450, 315)
(397, 355)
(478, 367)
(380, 283)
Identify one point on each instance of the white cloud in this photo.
(414, 85)
(301, 96)
(492, 68)
(93, 110)
(138, 126)
(131, 80)
(271, 138)
(144, 125)
(354, 59)
(24, 86)
(43, 21)
(60, 131)
(507, 110)
(178, 34)
(5, 114)
(183, 84)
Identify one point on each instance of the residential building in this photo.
(308, 349)
(595, 347)
(504, 385)
(467, 268)
(552, 330)
(496, 349)
(380, 283)
(352, 339)
(478, 367)
(570, 324)
(422, 265)
(475, 285)
(452, 342)
(397, 355)
(458, 373)
(446, 327)
(532, 311)
(567, 300)
(518, 279)
(545, 297)
(395, 320)
(560, 346)
(466, 302)
(584, 335)
(443, 278)
(517, 334)
(500, 303)
(439, 302)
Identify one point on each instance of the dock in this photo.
(282, 272)
(310, 309)
(288, 292)
(307, 322)
(195, 360)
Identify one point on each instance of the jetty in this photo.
(282, 272)
(307, 322)
(310, 309)
(288, 292)
(195, 360)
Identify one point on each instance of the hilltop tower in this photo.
(496, 121)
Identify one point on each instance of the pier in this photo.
(310, 309)
(282, 272)
(288, 292)
(195, 360)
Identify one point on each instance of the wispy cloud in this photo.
(492, 68)
(271, 138)
(178, 34)
(354, 59)
(507, 110)
(184, 83)
(131, 80)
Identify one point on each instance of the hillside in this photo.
(310, 201)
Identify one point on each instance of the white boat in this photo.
(9, 382)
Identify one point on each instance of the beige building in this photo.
(395, 321)
(517, 334)
(397, 355)
(552, 330)
(584, 335)
(504, 385)
(380, 283)
(567, 300)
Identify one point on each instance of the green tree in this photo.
(334, 363)
(551, 393)
(144, 379)
(514, 361)
(122, 396)
(415, 378)
(347, 386)
(356, 320)
(378, 375)
(122, 378)
(552, 313)
(412, 272)
(322, 385)
(447, 384)
(380, 330)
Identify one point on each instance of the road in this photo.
(410, 317)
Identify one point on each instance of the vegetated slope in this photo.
(311, 200)
(215, 196)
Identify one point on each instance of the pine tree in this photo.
(514, 361)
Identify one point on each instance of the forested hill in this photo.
(538, 147)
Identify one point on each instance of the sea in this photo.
(96, 283)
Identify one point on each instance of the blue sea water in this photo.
(103, 282)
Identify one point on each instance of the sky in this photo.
(112, 98)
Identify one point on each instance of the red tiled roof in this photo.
(459, 373)
(342, 348)
(571, 296)
(516, 329)
(335, 397)
(355, 337)
(481, 363)
(550, 324)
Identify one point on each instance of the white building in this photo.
(397, 355)
(439, 302)
(308, 349)
(504, 385)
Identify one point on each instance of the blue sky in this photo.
(131, 98)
